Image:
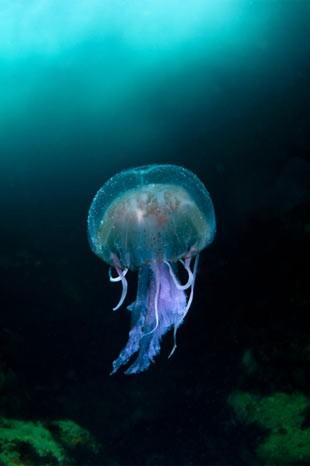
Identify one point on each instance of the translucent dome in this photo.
(148, 214)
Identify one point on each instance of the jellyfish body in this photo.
(151, 219)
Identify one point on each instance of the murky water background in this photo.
(88, 89)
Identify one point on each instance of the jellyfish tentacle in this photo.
(186, 265)
(121, 277)
(188, 305)
(156, 298)
(191, 295)
(174, 278)
(156, 304)
(124, 293)
(175, 329)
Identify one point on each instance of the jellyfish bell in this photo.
(151, 213)
(150, 219)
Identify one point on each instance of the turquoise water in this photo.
(120, 80)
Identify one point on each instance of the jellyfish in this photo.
(153, 219)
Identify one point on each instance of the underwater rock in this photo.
(35, 443)
(281, 416)
(71, 435)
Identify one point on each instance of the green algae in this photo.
(72, 435)
(15, 435)
(291, 447)
(35, 443)
(281, 415)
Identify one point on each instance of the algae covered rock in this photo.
(281, 416)
(72, 436)
(35, 443)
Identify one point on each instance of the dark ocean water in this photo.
(223, 89)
